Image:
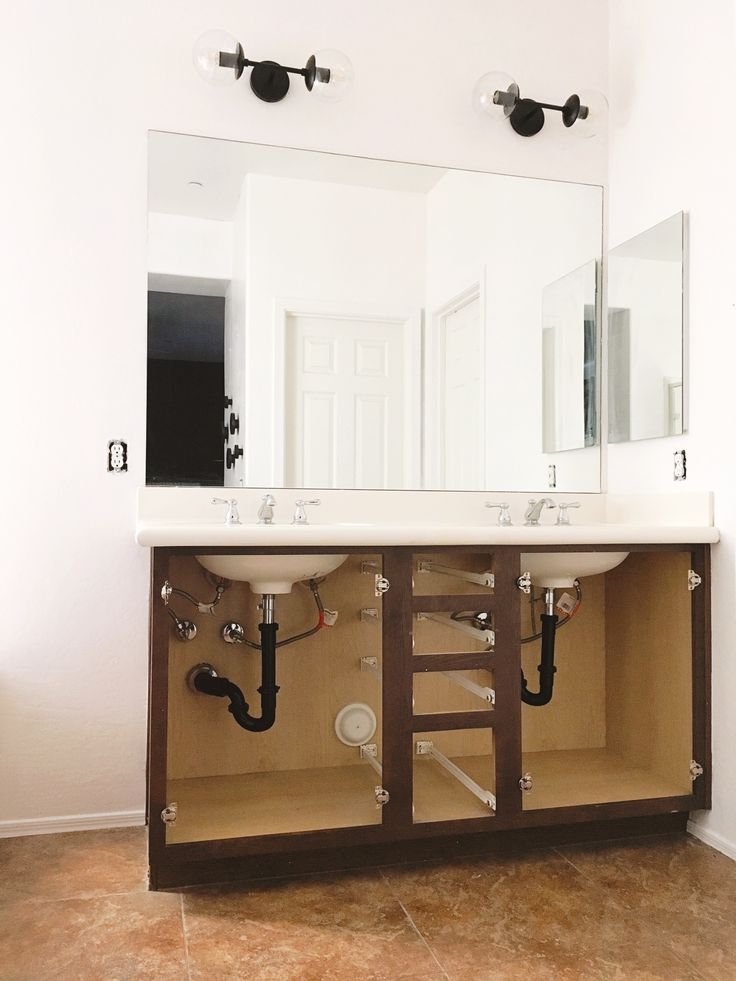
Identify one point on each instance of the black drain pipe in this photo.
(203, 678)
(546, 666)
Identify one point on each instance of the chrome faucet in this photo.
(232, 517)
(300, 514)
(504, 517)
(265, 511)
(533, 512)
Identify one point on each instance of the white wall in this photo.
(73, 645)
(179, 245)
(518, 237)
(671, 150)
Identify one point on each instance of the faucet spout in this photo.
(534, 511)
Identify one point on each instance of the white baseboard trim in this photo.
(713, 839)
(72, 822)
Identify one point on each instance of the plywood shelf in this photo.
(280, 802)
(570, 777)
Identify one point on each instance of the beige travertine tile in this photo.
(115, 938)
(529, 917)
(323, 928)
(64, 866)
(684, 890)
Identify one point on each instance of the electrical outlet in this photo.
(552, 476)
(117, 456)
(680, 468)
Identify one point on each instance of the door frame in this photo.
(473, 288)
(410, 320)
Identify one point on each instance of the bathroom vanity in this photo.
(457, 762)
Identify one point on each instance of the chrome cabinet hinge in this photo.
(524, 582)
(525, 783)
(382, 584)
(696, 770)
(693, 579)
(169, 813)
(382, 796)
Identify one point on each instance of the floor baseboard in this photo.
(73, 822)
(712, 838)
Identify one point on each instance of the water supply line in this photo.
(233, 633)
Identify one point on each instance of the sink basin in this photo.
(271, 573)
(561, 569)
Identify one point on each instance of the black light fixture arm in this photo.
(310, 73)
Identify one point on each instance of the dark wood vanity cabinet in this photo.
(458, 764)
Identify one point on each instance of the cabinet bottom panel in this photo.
(277, 802)
(574, 777)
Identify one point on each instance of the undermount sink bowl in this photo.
(271, 573)
(561, 569)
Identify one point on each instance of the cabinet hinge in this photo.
(382, 796)
(525, 783)
(696, 770)
(382, 584)
(170, 812)
(524, 582)
(693, 579)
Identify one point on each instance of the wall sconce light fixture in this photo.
(496, 95)
(219, 58)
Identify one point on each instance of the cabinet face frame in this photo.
(400, 723)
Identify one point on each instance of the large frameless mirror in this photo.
(318, 320)
(646, 334)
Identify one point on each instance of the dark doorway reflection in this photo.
(186, 387)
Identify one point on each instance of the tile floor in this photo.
(75, 906)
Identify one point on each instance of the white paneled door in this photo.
(345, 402)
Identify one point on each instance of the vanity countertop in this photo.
(171, 517)
(177, 533)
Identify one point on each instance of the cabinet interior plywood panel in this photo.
(649, 664)
(576, 716)
(433, 692)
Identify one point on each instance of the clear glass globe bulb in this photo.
(596, 119)
(333, 86)
(206, 57)
(495, 95)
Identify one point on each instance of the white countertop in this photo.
(186, 517)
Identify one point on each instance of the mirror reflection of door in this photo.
(345, 411)
(463, 450)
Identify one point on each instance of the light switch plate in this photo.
(680, 467)
(117, 456)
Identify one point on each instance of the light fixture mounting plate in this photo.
(269, 81)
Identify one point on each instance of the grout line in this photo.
(184, 935)
(424, 940)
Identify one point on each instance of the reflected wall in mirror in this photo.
(646, 334)
(381, 321)
(570, 359)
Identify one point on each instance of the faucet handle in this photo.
(300, 514)
(504, 518)
(563, 518)
(232, 517)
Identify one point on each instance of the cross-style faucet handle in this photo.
(300, 514)
(563, 518)
(504, 518)
(232, 517)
